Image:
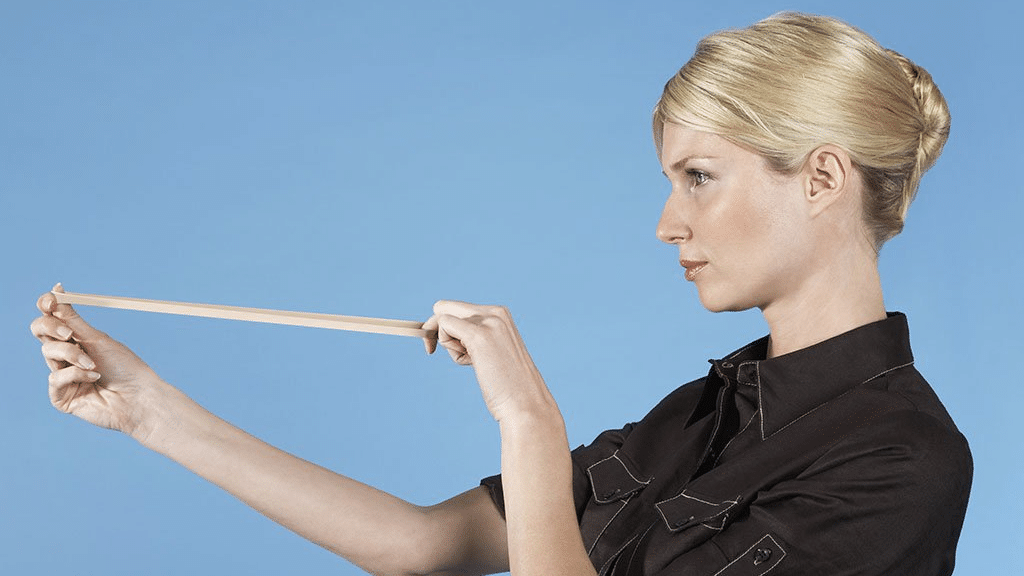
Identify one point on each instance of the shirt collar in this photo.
(789, 386)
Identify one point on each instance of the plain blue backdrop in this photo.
(370, 158)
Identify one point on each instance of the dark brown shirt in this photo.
(832, 460)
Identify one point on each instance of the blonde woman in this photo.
(793, 148)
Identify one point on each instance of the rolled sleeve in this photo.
(583, 457)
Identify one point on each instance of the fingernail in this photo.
(88, 364)
(64, 332)
(92, 375)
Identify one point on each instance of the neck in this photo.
(843, 296)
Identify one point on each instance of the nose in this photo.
(672, 226)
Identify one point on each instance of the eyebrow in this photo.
(677, 166)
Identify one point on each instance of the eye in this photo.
(697, 177)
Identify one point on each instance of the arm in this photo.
(543, 533)
(376, 531)
(101, 381)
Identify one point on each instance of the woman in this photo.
(793, 149)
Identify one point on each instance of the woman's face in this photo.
(741, 228)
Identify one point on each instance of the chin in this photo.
(719, 302)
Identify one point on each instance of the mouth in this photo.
(693, 267)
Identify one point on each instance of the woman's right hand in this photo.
(92, 375)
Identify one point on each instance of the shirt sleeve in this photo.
(583, 457)
(887, 500)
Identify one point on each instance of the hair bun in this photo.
(935, 117)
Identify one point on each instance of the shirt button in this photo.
(726, 364)
(762, 555)
(681, 523)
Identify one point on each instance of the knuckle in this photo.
(501, 312)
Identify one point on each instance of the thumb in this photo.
(67, 313)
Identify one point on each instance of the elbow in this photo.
(421, 547)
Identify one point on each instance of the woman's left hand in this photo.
(486, 338)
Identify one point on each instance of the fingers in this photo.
(430, 342)
(64, 385)
(67, 376)
(56, 352)
(47, 301)
(453, 334)
(453, 344)
(48, 327)
(450, 308)
(461, 326)
(465, 309)
(48, 305)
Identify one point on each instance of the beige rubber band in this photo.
(310, 319)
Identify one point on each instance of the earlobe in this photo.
(828, 171)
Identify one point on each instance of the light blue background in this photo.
(370, 158)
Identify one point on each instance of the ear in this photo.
(828, 177)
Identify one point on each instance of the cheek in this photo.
(781, 239)
(757, 226)
(767, 235)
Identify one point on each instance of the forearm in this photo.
(378, 532)
(543, 533)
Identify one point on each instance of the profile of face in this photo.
(743, 230)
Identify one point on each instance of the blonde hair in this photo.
(793, 82)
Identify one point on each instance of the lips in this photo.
(693, 267)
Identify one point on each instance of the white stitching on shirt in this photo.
(722, 512)
(777, 562)
(722, 523)
(887, 371)
(685, 495)
(617, 552)
(744, 429)
(741, 556)
(626, 468)
(793, 421)
(633, 555)
(760, 403)
(615, 455)
(622, 507)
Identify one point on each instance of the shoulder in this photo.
(911, 452)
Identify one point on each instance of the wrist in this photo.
(163, 411)
(529, 430)
(534, 417)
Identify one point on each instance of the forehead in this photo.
(679, 143)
